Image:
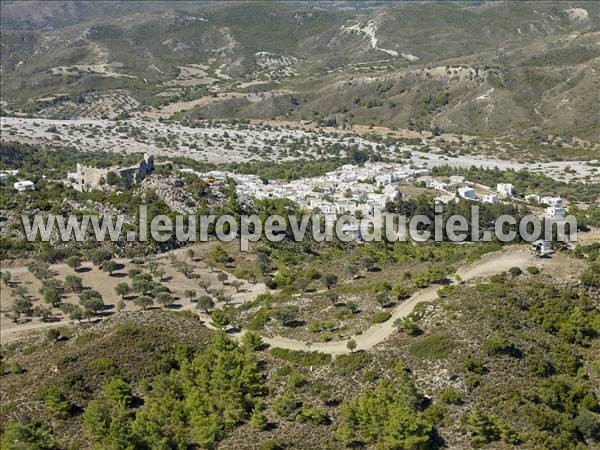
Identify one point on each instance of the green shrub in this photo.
(515, 271)
(408, 326)
(433, 346)
(56, 403)
(380, 317)
(351, 363)
(259, 320)
(286, 404)
(450, 396)
(498, 344)
(314, 415)
(301, 357)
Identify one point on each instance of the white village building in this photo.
(490, 198)
(467, 192)
(456, 179)
(552, 201)
(533, 198)
(26, 185)
(505, 189)
(437, 184)
(555, 212)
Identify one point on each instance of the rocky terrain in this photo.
(528, 73)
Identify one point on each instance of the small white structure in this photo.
(467, 192)
(552, 201)
(7, 173)
(456, 179)
(26, 185)
(437, 184)
(490, 198)
(533, 198)
(505, 189)
(555, 212)
(541, 248)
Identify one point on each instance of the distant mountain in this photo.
(477, 67)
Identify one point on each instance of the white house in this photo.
(555, 212)
(490, 198)
(505, 189)
(24, 186)
(552, 201)
(456, 179)
(324, 206)
(467, 192)
(7, 173)
(437, 184)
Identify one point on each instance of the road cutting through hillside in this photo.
(489, 264)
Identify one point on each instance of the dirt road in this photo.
(490, 264)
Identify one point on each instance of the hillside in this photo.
(409, 65)
(518, 370)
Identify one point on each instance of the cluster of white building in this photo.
(21, 186)
(363, 189)
(455, 186)
(349, 189)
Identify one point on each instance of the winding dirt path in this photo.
(489, 264)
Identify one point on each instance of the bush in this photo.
(259, 320)
(450, 396)
(433, 346)
(380, 317)
(515, 271)
(498, 344)
(56, 403)
(435, 414)
(386, 416)
(533, 270)
(588, 424)
(351, 363)
(313, 415)
(300, 357)
(408, 326)
(285, 405)
(34, 436)
(475, 365)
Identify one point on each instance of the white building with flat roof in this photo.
(467, 192)
(456, 179)
(505, 189)
(490, 198)
(26, 185)
(555, 212)
(552, 201)
(437, 184)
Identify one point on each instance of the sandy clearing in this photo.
(104, 283)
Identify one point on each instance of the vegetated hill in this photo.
(519, 369)
(484, 68)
